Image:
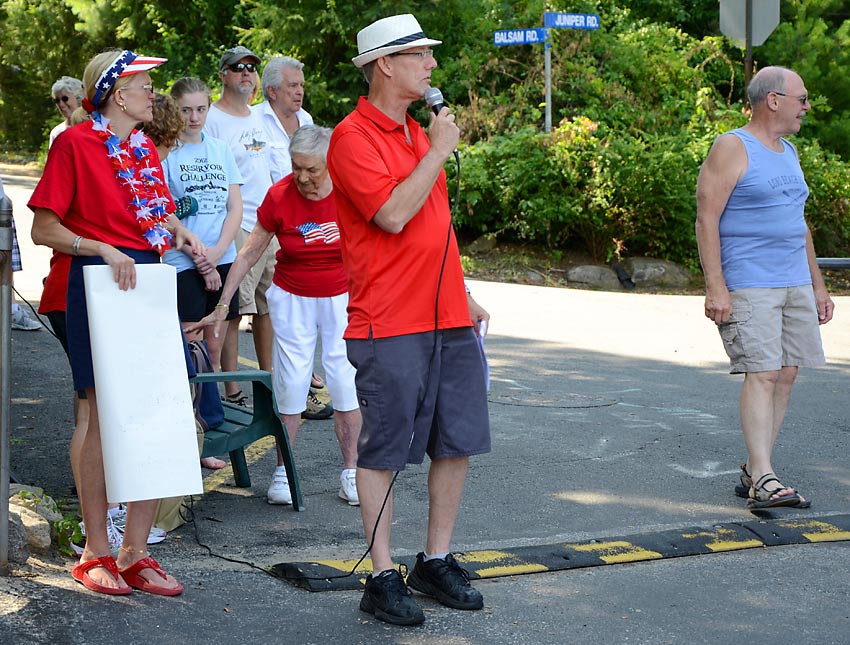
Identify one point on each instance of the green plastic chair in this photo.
(243, 426)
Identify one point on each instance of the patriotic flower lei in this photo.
(131, 162)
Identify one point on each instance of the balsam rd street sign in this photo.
(518, 37)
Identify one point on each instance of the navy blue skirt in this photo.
(77, 318)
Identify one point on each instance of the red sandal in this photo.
(80, 572)
(131, 577)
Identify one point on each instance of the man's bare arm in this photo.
(408, 197)
(725, 164)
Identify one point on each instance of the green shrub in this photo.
(828, 207)
(581, 187)
(612, 192)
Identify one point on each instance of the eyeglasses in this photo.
(803, 99)
(239, 67)
(61, 99)
(147, 88)
(423, 55)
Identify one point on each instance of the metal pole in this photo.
(547, 59)
(5, 371)
(834, 263)
(748, 56)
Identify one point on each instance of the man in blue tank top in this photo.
(763, 286)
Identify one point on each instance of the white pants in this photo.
(296, 321)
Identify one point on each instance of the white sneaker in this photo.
(119, 519)
(20, 320)
(348, 487)
(116, 539)
(279, 489)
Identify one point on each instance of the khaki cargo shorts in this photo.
(772, 328)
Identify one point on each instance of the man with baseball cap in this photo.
(411, 324)
(232, 120)
(236, 55)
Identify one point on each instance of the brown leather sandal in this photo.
(743, 489)
(762, 497)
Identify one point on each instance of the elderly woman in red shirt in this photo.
(309, 293)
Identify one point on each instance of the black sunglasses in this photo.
(64, 99)
(238, 67)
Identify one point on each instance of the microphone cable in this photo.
(38, 317)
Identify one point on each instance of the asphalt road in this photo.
(612, 415)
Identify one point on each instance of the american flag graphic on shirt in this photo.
(312, 232)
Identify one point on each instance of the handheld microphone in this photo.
(434, 99)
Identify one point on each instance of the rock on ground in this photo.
(594, 276)
(651, 273)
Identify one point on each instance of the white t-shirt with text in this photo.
(247, 139)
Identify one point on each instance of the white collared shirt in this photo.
(278, 139)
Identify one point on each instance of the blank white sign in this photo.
(147, 425)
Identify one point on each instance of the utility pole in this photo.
(5, 372)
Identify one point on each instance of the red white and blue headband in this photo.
(126, 64)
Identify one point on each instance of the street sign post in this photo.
(551, 20)
(733, 20)
(560, 20)
(748, 23)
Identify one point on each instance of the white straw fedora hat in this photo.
(389, 35)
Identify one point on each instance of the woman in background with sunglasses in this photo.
(68, 96)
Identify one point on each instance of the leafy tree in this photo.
(695, 17)
(814, 39)
(323, 35)
(636, 104)
(192, 34)
(40, 44)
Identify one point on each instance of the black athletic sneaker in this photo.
(446, 581)
(388, 598)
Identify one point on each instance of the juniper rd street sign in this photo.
(519, 37)
(571, 20)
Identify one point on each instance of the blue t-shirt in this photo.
(204, 171)
(762, 228)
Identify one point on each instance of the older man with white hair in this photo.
(411, 324)
(282, 112)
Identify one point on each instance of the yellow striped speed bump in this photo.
(834, 528)
(330, 575)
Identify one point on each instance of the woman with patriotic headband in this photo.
(102, 199)
(309, 293)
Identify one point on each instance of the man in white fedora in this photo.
(411, 324)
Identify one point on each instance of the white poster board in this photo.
(147, 424)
